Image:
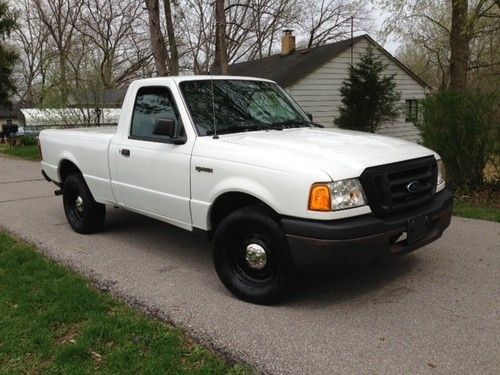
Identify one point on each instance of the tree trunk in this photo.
(156, 37)
(221, 59)
(459, 45)
(174, 54)
(63, 79)
(107, 72)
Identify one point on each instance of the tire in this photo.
(83, 213)
(253, 229)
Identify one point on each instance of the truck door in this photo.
(150, 173)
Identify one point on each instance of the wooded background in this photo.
(68, 48)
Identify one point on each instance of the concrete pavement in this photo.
(434, 311)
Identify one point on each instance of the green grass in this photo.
(475, 211)
(53, 321)
(481, 203)
(24, 152)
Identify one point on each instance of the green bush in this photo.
(462, 128)
(29, 140)
(369, 97)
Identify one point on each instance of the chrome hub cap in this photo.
(256, 256)
(79, 204)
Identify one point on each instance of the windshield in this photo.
(240, 105)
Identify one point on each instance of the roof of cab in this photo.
(178, 79)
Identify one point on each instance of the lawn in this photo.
(464, 208)
(54, 321)
(24, 152)
(482, 204)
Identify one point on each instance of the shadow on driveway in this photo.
(333, 286)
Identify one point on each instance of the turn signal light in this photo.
(320, 198)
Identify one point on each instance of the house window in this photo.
(411, 110)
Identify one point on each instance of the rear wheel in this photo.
(252, 257)
(84, 214)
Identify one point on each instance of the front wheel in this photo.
(84, 214)
(252, 257)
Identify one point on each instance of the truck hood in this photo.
(339, 153)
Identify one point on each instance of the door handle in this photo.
(125, 152)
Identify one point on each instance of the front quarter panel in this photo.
(219, 167)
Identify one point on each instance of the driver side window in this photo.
(152, 104)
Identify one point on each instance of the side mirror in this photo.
(310, 116)
(164, 127)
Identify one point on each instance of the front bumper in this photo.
(316, 243)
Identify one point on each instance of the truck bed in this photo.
(95, 129)
(84, 147)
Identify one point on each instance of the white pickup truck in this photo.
(237, 158)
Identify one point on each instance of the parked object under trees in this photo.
(327, 205)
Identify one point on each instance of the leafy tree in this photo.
(7, 56)
(451, 44)
(369, 98)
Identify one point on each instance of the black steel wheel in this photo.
(83, 213)
(252, 257)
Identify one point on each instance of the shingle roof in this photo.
(289, 69)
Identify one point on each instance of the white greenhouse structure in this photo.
(34, 120)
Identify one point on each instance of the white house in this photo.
(314, 77)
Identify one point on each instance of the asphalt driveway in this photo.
(434, 311)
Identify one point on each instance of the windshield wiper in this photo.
(291, 124)
(239, 129)
(273, 126)
(316, 125)
(297, 124)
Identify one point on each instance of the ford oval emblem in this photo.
(414, 186)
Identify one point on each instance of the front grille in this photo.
(397, 187)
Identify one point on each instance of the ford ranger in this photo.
(238, 159)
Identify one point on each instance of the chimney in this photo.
(287, 42)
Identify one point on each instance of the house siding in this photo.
(319, 92)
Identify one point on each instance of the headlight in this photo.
(337, 195)
(347, 194)
(441, 177)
